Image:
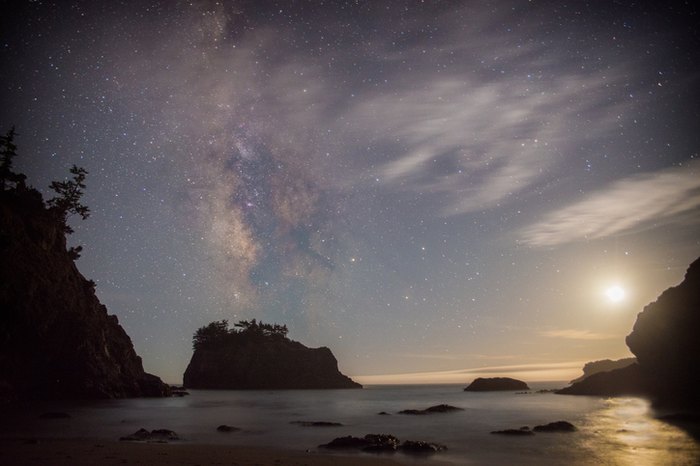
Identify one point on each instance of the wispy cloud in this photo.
(478, 142)
(573, 334)
(459, 356)
(643, 201)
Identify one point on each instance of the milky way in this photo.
(421, 187)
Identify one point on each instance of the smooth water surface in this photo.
(611, 431)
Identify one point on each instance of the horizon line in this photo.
(531, 372)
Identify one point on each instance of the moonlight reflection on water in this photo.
(626, 432)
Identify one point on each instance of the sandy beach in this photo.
(73, 452)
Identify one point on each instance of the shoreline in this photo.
(89, 452)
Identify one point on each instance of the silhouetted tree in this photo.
(68, 200)
(217, 334)
(262, 329)
(246, 326)
(8, 151)
(210, 335)
(74, 252)
(278, 330)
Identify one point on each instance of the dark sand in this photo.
(74, 452)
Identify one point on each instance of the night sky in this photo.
(437, 188)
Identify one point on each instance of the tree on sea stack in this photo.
(210, 335)
(217, 333)
(268, 330)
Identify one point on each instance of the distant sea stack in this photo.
(259, 356)
(56, 339)
(605, 365)
(665, 341)
(628, 380)
(493, 384)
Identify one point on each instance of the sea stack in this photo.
(493, 384)
(259, 356)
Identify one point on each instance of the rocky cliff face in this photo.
(56, 339)
(257, 362)
(665, 341)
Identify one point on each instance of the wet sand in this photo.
(72, 452)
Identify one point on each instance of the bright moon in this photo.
(615, 293)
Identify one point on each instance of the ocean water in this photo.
(619, 431)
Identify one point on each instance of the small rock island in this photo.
(492, 384)
(255, 355)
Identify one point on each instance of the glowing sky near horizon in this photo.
(426, 188)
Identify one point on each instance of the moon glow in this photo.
(615, 293)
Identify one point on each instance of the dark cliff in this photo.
(56, 339)
(250, 360)
(665, 341)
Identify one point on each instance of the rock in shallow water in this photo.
(558, 426)
(317, 423)
(443, 408)
(226, 428)
(347, 442)
(417, 446)
(156, 435)
(382, 443)
(523, 431)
